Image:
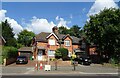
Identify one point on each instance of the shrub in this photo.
(62, 53)
(9, 52)
(58, 54)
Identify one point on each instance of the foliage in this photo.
(62, 52)
(25, 37)
(9, 52)
(103, 29)
(58, 54)
(7, 33)
(52, 59)
(73, 31)
(63, 30)
(19, 45)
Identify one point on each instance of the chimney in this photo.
(55, 30)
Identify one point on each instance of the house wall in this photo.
(1, 41)
(76, 46)
(53, 47)
(56, 46)
(42, 44)
(70, 48)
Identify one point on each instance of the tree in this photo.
(7, 33)
(25, 37)
(103, 29)
(61, 52)
(73, 31)
(63, 30)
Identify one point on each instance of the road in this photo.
(30, 70)
(59, 76)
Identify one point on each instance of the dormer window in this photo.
(67, 43)
(51, 42)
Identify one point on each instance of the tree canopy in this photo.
(73, 31)
(25, 37)
(103, 29)
(7, 33)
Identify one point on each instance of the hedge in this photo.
(62, 53)
(8, 52)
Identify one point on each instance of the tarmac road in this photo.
(59, 76)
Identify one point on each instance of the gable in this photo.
(67, 37)
(52, 34)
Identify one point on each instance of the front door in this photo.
(40, 53)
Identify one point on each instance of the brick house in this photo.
(2, 40)
(45, 44)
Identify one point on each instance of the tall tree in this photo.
(25, 37)
(103, 29)
(63, 30)
(7, 33)
(73, 31)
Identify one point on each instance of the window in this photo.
(51, 41)
(51, 53)
(67, 42)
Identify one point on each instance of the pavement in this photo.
(62, 69)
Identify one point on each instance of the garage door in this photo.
(28, 54)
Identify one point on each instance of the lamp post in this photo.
(48, 46)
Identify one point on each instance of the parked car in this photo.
(84, 60)
(22, 60)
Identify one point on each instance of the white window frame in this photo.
(51, 42)
(67, 43)
(51, 53)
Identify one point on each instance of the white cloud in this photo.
(100, 5)
(38, 25)
(16, 27)
(2, 15)
(62, 22)
(57, 18)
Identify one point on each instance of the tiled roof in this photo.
(42, 37)
(25, 49)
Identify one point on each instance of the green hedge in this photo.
(9, 52)
(61, 53)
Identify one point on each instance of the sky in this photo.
(43, 16)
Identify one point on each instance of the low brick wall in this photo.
(9, 61)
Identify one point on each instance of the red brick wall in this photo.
(70, 48)
(53, 47)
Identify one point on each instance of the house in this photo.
(45, 44)
(25, 51)
(2, 40)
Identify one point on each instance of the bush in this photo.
(114, 61)
(58, 54)
(61, 53)
(1, 59)
(9, 52)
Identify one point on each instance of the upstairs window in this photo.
(51, 42)
(67, 42)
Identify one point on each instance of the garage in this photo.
(25, 51)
